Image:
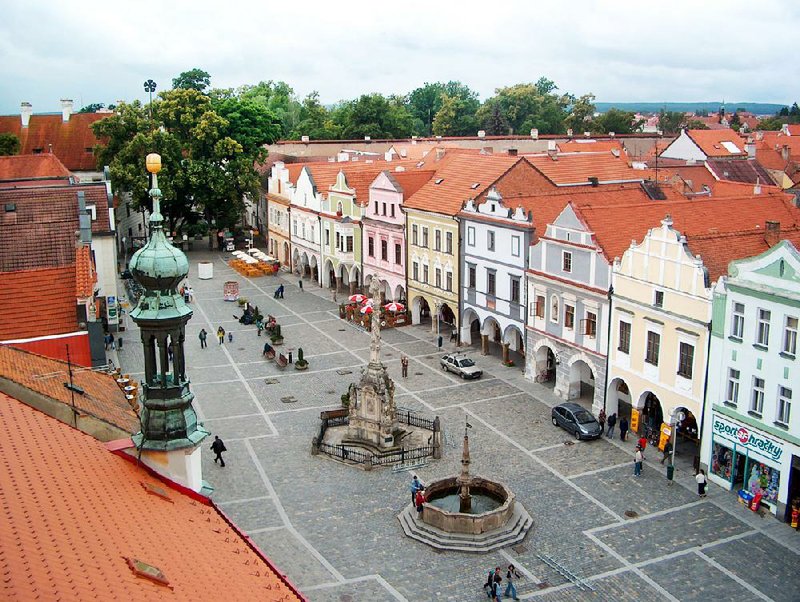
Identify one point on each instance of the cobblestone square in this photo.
(333, 529)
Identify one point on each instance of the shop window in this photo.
(757, 396)
(569, 316)
(762, 332)
(624, 337)
(685, 360)
(732, 392)
(784, 405)
(790, 336)
(737, 321)
(721, 461)
(653, 347)
(763, 479)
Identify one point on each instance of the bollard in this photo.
(670, 473)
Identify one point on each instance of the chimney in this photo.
(785, 130)
(84, 219)
(569, 133)
(772, 233)
(512, 152)
(25, 112)
(439, 153)
(785, 152)
(757, 187)
(66, 109)
(481, 133)
(535, 133)
(594, 181)
(304, 139)
(750, 146)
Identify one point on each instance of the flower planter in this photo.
(277, 341)
(299, 366)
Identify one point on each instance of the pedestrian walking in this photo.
(496, 586)
(419, 500)
(511, 576)
(259, 325)
(638, 458)
(190, 292)
(107, 340)
(333, 294)
(202, 336)
(186, 295)
(612, 422)
(667, 450)
(642, 442)
(221, 335)
(300, 283)
(601, 419)
(702, 483)
(279, 292)
(230, 337)
(416, 485)
(218, 447)
(487, 587)
(623, 428)
(404, 364)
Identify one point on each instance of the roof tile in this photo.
(38, 302)
(21, 167)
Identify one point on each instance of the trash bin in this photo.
(670, 472)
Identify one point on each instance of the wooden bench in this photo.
(270, 355)
(338, 413)
(281, 361)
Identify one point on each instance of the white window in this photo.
(490, 240)
(784, 405)
(92, 209)
(757, 397)
(732, 393)
(737, 321)
(515, 246)
(471, 236)
(294, 227)
(566, 261)
(790, 336)
(762, 332)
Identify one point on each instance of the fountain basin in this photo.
(490, 493)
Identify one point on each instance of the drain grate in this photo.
(240, 348)
(271, 381)
(288, 399)
(330, 392)
(417, 373)
(569, 442)
(631, 514)
(344, 371)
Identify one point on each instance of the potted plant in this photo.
(277, 337)
(345, 400)
(301, 363)
(509, 363)
(342, 311)
(241, 301)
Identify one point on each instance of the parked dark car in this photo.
(577, 420)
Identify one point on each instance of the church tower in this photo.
(170, 437)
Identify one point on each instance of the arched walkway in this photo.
(296, 261)
(399, 294)
(618, 400)
(314, 270)
(286, 255)
(328, 275)
(545, 365)
(470, 327)
(581, 382)
(651, 414)
(420, 310)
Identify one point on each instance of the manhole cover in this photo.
(344, 371)
(417, 373)
(569, 443)
(519, 549)
(342, 329)
(289, 399)
(330, 392)
(240, 348)
(271, 381)
(631, 514)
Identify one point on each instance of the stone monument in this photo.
(372, 412)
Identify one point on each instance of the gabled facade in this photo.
(568, 282)
(659, 333)
(751, 435)
(495, 239)
(384, 248)
(304, 216)
(279, 194)
(340, 224)
(699, 145)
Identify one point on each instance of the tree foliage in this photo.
(315, 121)
(580, 114)
(671, 122)
(425, 102)
(194, 79)
(9, 144)
(373, 115)
(619, 122)
(208, 145)
(92, 107)
(528, 106)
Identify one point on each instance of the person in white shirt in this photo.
(700, 479)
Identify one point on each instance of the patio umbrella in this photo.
(394, 306)
(367, 309)
(357, 298)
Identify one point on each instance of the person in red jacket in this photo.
(420, 500)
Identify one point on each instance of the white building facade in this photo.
(305, 207)
(751, 434)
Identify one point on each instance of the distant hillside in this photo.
(759, 108)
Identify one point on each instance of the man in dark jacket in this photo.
(612, 422)
(623, 428)
(218, 447)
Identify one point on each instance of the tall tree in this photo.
(617, 121)
(425, 102)
(528, 106)
(671, 122)
(496, 124)
(194, 79)
(456, 117)
(315, 120)
(9, 144)
(580, 114)
(373, 115)
(92, 108)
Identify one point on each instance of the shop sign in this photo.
(111, 309)
(747, 438)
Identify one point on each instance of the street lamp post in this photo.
(150, 87)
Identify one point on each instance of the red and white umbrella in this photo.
(357, 298)
(394, 306)
(367, 309)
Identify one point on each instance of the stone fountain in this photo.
(466, 513)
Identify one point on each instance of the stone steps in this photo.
(513, 532)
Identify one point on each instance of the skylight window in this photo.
(731, 147)
(475, 185)
(439, 180)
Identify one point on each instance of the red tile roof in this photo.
(590, 146)
(455, 182)
(102, 398)
(749, 171)
(711, 142)
(410, 181)
(38, 302)
(85, 274)
(23, 167)
(79, 515)
(41, 231)
(616, 226)
(576, 168)
(72, 141)
(718, 250)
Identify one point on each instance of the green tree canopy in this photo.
(528, 106)
(9, 144)
(208, 146)
(278, 98)
(619, 122)
(580, 114)
(92, 108)
(373, 115)
(315, 121)
(194, 79)
(671, 122)
(425, 102)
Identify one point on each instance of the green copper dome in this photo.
(158, 266)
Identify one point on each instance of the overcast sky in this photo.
(621, 50)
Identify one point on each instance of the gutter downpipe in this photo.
(608, 345)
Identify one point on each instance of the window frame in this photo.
(437, 277)
(566, 262)
(790, 335)
(414, 235)
(398, 254)
(737, 320)
(685, 359)
(569, 316)
(490, 240)
(491, 282)
(652, 348)
(448, 242)
(448, 280)
(658, 298)
(471, 236)
(425, 237)
(783, 411)
(384, 249)
(762, 326)
(516, 246)
(540, 306)
(515, 289)
(437, 240)
(472, 276)
(733, 385)
(757, 396)
(590, 325)
(627, 339)
(371, 246)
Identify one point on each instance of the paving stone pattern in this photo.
(333, 529)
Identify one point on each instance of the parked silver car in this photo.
(460, 364)
(577, 420)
